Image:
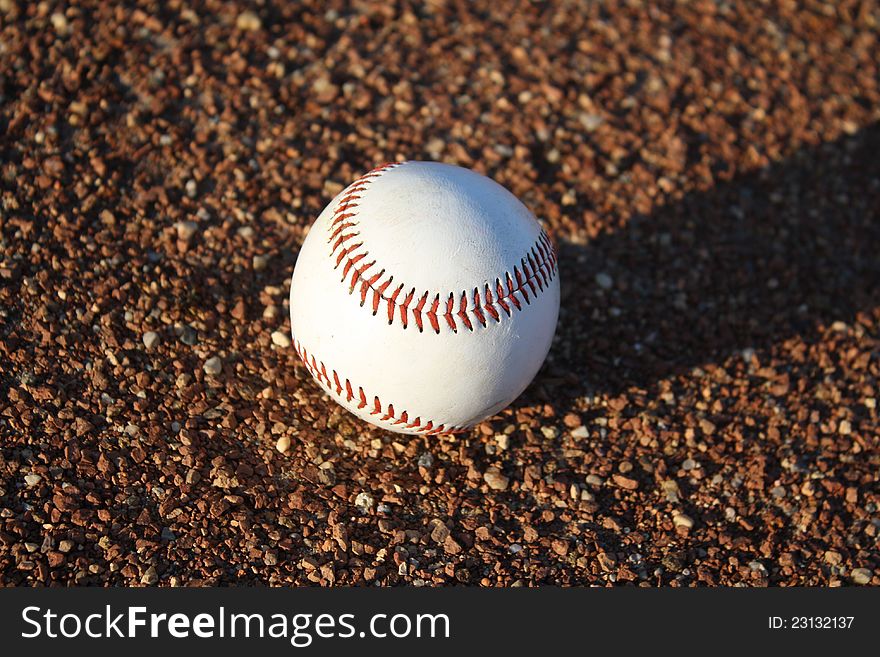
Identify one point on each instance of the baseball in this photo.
(424, 298)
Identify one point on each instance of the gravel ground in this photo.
(707, 415)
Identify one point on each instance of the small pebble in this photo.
(188, 335)
(671, 490)
(625, 482)
(683, 520)
(862, 576)
(435, 147)
(580, 433)
(550, 432)
(281, 339)
(248, 21)
(364, 501)
(833, 557)
(590, 122)
(604, 281)
(440, 532)
(213, 366)
(283, 444)
(495, 479)
(32, 479)
(151, 339)
(60, 23)
(571, 420)
(259, 262)
(150, 576)
(186, 230)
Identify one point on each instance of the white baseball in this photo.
(424, 298)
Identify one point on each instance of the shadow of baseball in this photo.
(783, 251)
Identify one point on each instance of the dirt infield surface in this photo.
(710, 173)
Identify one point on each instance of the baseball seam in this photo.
(333, 382)
(497, 300)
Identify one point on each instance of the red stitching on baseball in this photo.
(535, 271)
(404, 307)
(462, 312)
(478, 310)
(319, 370)
(450, 304)
(391, 301)
(432, 314)
(417, 311)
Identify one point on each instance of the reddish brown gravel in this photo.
(708, 413)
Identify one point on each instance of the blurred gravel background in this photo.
(708, 414)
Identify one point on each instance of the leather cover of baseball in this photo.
(425, 298)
